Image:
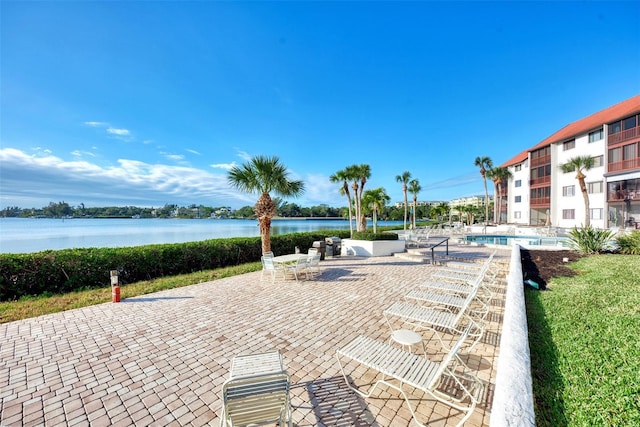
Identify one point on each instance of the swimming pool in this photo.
(507, 240)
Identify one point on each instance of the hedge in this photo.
(86, 268)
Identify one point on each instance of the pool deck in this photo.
(160, 359)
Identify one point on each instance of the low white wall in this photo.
(371, 248)
(513, 397)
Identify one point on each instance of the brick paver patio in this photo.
(161, 359)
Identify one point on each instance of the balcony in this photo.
(541, 180)
(541, 202)
(624, 165)
(544, 160)
(625, 135)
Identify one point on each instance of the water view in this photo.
(25, 235)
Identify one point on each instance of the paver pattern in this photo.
(161, 359)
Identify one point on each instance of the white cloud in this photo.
(193, 152)
(320, 190)
(244, 155)
(96, 124)
(119, 132)
(225, 166)
(47, 178)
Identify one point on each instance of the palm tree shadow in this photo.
(548, 385)
(335, 404)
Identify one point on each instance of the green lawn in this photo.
(584, 335)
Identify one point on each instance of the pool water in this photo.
(507, 240)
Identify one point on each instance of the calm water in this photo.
(23, 235)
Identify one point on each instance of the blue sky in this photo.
(149, 103)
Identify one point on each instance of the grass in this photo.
(585, 348)
(46, 304)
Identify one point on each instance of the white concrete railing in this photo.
(513, 397)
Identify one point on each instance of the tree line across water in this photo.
(193, 211)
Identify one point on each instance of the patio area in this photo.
(161, 359)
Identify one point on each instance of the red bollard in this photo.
(115, 294)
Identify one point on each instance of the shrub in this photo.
(367, 235)
(86, 268)
(590, 240)
(629, 244)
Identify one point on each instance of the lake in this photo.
(25, 235)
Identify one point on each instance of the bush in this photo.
(629, 244)
(86, 268)
(589, 240)
(367, 235)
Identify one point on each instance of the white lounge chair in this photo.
(439, 319)
(414, 371)
(256, 400)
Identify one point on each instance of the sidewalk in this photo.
(161, 359)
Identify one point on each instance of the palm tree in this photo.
(404, 179)
(375, 200)
(484, 163)
(580, 164)
(263, 175)
(343, 176)
(441, 210)
(414, 189)
(499, 175)
(359, 174)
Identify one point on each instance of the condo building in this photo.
(539, 193)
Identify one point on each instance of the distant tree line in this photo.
(193, 211)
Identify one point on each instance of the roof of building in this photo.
(592, 122)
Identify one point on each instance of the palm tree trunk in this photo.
(585, 196)
(350, 216)
(486, 201)
(404, 190)
(265, 233)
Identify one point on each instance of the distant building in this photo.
(539, 193)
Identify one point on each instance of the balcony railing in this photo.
(541, 202)
(623, 136)
(629, 164)
(541, 180)
(544, 160)
(623, 195)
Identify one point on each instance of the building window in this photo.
(598, 161)
(518, 199)
(518, 168)
(629, 152)
(615, 155)
(595, 187)
(518, 183)
(614, 128)
(569, 191)
(517, 215)
(629, 123)
(596, 135)
(569, 145)
(595, 213)
(568, 214)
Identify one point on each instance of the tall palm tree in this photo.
(499, 176)
(485, 164)
(375, 200)
(414, 189)
(359, 174)
(404, 179)
(580, 164)
(264, 175)
(343, 176)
